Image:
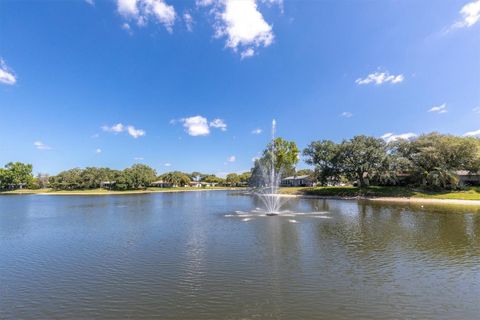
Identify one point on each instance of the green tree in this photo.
(324, 156)
(139, 176)
(361, 158)
(232, 179)
(433, 159)
(176, 178)
(211, 178)
(67, 180)
(245, 177)
(17, 174)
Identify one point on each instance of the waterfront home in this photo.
(467, 178)
(163, 184)
(297, 181)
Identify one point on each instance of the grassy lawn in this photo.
(472, 193)
(106, 192)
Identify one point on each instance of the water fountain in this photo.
(267, 191)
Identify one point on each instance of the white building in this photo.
(297, 181)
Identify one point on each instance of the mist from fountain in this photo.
(267, 191)
(271, 178)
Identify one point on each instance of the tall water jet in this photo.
(268, 191)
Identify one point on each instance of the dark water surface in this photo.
(177, 256)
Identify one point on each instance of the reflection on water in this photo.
(180, 256)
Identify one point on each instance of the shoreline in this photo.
(97, 192)
(418, 200)
(109, 192)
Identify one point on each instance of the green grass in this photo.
(472, 193)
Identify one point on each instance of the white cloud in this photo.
(138, 158)
(472, 133)
(116, 128)
(6, 74)
(127, 28)
(98, 150)
(219, 124)
(143, 10)
(390, 137)
(136, 133)
(257, 131)
(247, 53)
(167, 164)
(187, 17)
(439, 109)
(231, 159)
(380, 77)
(41, 146)
(242, 24)
(119, 127)
(90, 2)
(346, 114)
(196, 126)
(204, 3)
(476, 109)
(470, 15)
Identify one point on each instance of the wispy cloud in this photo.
(90, 2)
(247, 53)
(41, 146)
(470, 16)
(472, 133)
(188, 19)
(219, 124)
(390, 137)
(98, 150)
(379, 78)
(7, 76)
(119, 127)
(346, 114)
(257, 131)
(138, 158)
(141, 11)
(476, 109)
(167, 164)
(136, 133)
(126, 26)
(439, 109)
(232, 159)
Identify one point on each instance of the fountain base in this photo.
(271, 214)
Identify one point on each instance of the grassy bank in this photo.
(472, 193)
(109, 192)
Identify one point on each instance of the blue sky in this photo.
(185, 85)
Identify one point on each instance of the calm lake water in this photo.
(189, 256)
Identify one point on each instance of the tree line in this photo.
(430, 160)
(139, 176)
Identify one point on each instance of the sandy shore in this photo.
(427, 200)
(391, 199)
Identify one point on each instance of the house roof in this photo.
(466, 173)
(297, 177)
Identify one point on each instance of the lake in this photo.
(193, 256)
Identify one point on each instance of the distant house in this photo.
(202, 184)
(468, 178)
(195, 184)
(162, 184)
(297, 181)
(107, 184)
